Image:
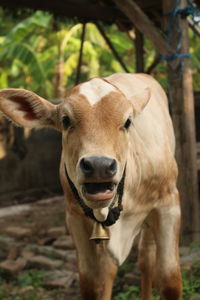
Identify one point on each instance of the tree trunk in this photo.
(182, 108)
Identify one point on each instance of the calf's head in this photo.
(95, 120)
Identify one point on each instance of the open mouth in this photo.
(95, 191)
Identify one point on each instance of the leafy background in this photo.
(40, 52)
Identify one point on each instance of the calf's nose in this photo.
(98, 166)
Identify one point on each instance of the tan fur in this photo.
(150, 200)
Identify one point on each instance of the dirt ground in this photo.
(35, 245)
(38, 259)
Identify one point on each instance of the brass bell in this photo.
(99, 233)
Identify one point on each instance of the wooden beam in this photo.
(84, 9)
(194, 27)
(144, 25)
(182, 108)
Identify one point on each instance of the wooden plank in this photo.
(83, 9)
(150, 4)
(143, 24)
(182, 107)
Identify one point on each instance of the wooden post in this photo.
(182, 107)
(139, 51)
(141, 21)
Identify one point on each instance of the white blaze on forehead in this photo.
(95, 89)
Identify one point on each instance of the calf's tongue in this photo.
(101, 214)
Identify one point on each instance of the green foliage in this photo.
(20, 56)
(37, 55)
(37, 21)
(40, 52)
(195, 61)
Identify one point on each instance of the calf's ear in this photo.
(135, 91)
(140, 100)
(27, 109)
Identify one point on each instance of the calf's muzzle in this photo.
(98, 167)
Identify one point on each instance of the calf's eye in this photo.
(127, 124)
(66, 122)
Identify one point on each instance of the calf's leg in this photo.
(97, 269)
(167, 268)
(159, 251)
(146, 260)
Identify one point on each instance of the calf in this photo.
(118, 174)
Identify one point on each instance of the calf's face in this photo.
(95, 140)
(95, 120)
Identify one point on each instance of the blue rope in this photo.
(190, 9)
(174, 56)
(172, 16)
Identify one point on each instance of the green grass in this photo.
(30, 277)
(123, 291)
(10, 287)
(131, 292)
(191, 281)
(191, 284)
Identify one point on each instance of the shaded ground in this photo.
(38, 260)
